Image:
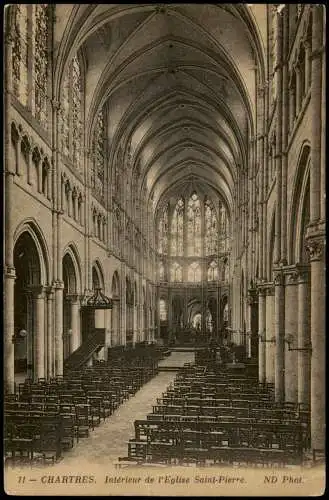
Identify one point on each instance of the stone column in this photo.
(39, 332)
(308, 67)
(50, 332)
(69, 202)
(270, 334)
(39, 175)
(304, 338)
(59, 328)
(29, 166)
(316, 110)
(49, 184)
(291, 106)
(315, 242)
(298, 90)
(291, 336)
(9, 371)
(75, 322)
(279, 335)
(261, 335)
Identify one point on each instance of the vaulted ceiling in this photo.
(179, 81)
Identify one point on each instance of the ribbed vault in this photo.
(180, 84)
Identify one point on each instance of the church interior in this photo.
(164, 199)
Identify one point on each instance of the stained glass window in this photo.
(99, 156)
(163, 232)
(213, 271)
(223, 229)
(194, 272)
(72, 114)
(20, 53)
(177, 229)
(194, 226)
(163, 310)
(41, 62)
(65, 115)
(211, 229)
(176, 272)
(76, 113)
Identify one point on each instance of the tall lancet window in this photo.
(213, 271)
(72, 114)
(177, 229)
(76, 114)
(98, 174)
(211, 229)
(20, 52)
(194, 272)
(194, 226)
(40, 37)
(163, 232)
(176, 272)
(65, 115)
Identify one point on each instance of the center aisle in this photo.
(109, 440)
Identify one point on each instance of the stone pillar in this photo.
(279, 335)
(292, 111)
(75, 322)
(270, 334)
(308, 67)
(316, 110)
(49, 185)
(69, 202)
(261, 336)
(304, 338)
(291, 336)
(39, 332)
(315, 243)
(9, 371)
(59, 328)
(29, 166)
(39, 168)
(298, 90)
(50, 332)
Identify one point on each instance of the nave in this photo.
(164, 185)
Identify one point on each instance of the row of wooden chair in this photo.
(214, 417)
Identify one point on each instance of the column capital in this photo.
(315, 240)
(315, 248)
(50, 291)
(73, 298)
(37, 291)
(58, 285)
(278, 277)
(10, 272)
(291, 276)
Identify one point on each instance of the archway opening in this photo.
(27, 286)
(69, 297)
(116, 309)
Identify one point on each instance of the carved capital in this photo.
(291, 276)
(10, 272)
(278, 278)
(315, 248)
(37, 291)
(58, 285)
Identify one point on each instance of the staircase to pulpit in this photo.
(93, 330)
(92, 344)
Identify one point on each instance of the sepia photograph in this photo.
(164, 249)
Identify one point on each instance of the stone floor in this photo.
(177, 359)
(108, 442)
